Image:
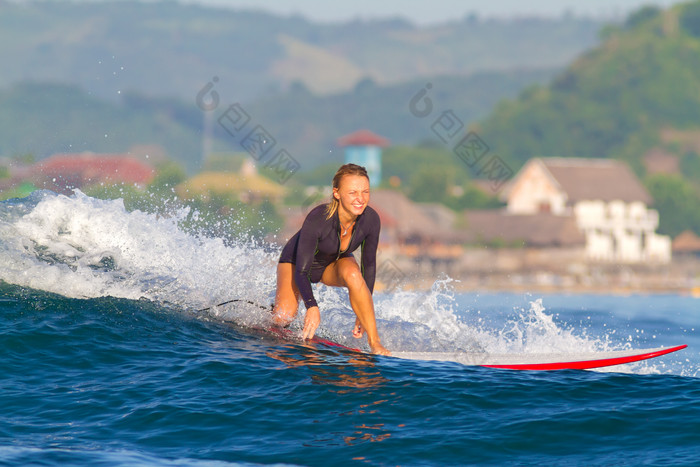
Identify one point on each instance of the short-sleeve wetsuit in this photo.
(317, 244)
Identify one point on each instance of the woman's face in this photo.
(353, 194)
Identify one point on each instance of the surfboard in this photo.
(525, 361)
(544, 361)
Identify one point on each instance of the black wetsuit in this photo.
(317, 244)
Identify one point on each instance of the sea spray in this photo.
(84, 247)
(532, 330)
(425, 321)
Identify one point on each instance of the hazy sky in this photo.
(431, 11)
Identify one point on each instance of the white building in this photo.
(607, 200)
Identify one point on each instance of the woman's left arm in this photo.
(368, 262)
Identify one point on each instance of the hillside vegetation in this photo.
(105, 76)
(46, 118)
(635, 94)
(166, 48)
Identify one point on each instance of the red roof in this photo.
(363, 138)
(387, 220)
(686, 242)
(78, 170)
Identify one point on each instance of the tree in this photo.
(642, 15)
(677, 201)
(473, 198)
(430, 185)
(690, 19)
(168, 175)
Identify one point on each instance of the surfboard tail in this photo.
(546, 362)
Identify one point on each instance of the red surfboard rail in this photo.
(587, 364)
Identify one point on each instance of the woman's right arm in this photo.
(306, 250)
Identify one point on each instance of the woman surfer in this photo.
(321, 251)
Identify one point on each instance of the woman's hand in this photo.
(311, 322)
(357, 331)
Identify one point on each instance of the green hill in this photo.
(308, 125)
(43, 119)
(73, 72)
(614, 100)
(635, 95)
(166, 48)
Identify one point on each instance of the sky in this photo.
(424, 12)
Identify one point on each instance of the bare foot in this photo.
(379, 349)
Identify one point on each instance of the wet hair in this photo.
(347, 169)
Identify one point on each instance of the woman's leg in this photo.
(346, 273)
(286, 296)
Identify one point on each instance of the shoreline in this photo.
(462, 286)
(502, 271)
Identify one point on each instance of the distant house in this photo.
(365, 148)
(606, 200)
(539, 230)
(63, 172)
(687, 243)
(422, 232)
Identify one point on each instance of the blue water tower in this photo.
(365, 148)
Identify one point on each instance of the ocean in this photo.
(106, 361)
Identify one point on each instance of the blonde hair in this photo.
(347, 169)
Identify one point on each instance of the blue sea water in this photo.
(104, 360)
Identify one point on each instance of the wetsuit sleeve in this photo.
(306, 250)
(369, 252)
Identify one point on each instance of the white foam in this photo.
(428, 321)
(83, 247)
